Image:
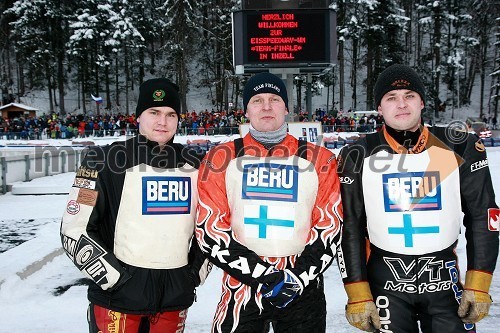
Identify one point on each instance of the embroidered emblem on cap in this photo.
(158, 95)
(266, 85)
(400, 83)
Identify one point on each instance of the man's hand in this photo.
(474, 306)
(363, 315)
(283, 290)
(360, 310)
(475, 302)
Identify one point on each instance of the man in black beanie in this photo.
(409, 189)
(398, 77)
(158, 92)
(160, 98)
(269, 216)
(264, 83)
(129, 223)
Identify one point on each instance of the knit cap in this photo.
(264, 83)
(397, 77)
(158, 92)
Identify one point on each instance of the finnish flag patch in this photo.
(269, 222)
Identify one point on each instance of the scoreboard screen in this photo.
(284, 38)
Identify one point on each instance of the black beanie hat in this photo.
(264, 83)
(158, 92)
(397, 77)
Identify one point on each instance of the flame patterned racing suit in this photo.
(262, 209)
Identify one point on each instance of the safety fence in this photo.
(25, 164)
(28, 163)
(183, 130)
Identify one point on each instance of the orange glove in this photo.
(360, 310)
(475, 303)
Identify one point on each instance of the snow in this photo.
(17, 105)
(37, 280)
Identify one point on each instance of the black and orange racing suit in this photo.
(411, 205)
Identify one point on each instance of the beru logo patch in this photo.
(270, 181)
(166, 195)
(412, 191)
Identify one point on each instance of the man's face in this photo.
(266, 112)
(401, 109)
(158, 124)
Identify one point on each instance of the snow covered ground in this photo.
(39, 286)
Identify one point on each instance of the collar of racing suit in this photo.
(269, 139)
(406, 139)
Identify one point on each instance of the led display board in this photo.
(284, 38)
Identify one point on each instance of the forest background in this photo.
(70, 50)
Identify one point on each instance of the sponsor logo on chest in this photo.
(166, 195)
(270, 181)
(412, 191)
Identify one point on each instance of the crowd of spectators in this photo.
(70, 126)
(345, 122)
(191, 123)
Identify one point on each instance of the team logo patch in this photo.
(267, 85)
(494, 219)
(166, 195)
(270, 181)
(412, 191)
(73, 207)
(401, 83)
(87, 197)
(84, 183)
(158, 95)
(479, 145)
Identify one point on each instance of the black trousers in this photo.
(410, 290)
(306, 314)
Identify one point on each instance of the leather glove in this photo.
(283, 290)
(475, 302)
(360, 310)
